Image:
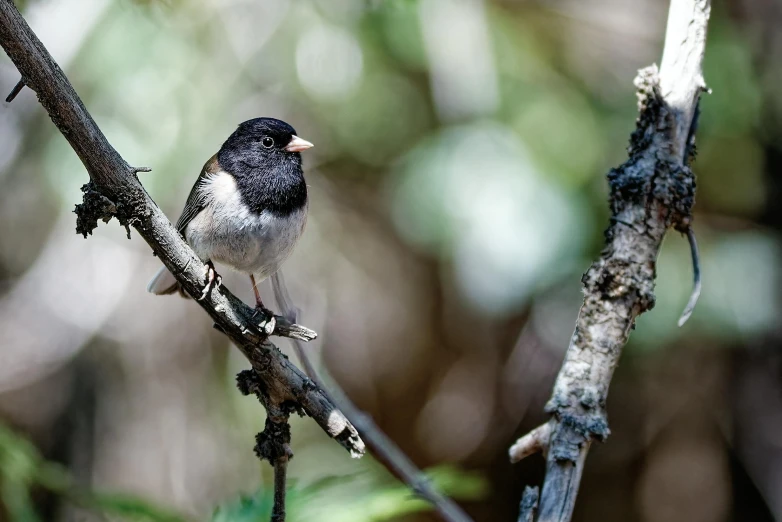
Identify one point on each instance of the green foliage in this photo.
(250, 508)
(351, 499)
(358, 497)
(23, 470)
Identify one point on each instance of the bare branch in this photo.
(533, 442)
(114, 191)
(285, 328)
(650, 193)
(379, 443)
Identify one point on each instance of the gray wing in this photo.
(196, 201)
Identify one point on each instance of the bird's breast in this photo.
(228, 232)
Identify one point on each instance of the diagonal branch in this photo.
(650, 193)
(115, 191)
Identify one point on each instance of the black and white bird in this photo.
(248, 208)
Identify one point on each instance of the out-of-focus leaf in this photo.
(727, 68)
(129, 507)
(22, 469)
(402, 32)
(473, 195)
(249, 508)
(351, 498)
(17, 475)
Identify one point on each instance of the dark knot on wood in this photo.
(273, 443)
(95, 206)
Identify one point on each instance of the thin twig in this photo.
(15, 91)
(378, 442)
(280, 474)
(533, 442)
(285, 328)
(696, 277)
(114, 191)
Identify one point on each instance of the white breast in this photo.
(227, 232)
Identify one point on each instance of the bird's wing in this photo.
(196, 201)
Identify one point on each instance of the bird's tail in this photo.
(163, 283)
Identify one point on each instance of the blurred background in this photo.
(457, 195)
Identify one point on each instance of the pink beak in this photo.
(297, 144)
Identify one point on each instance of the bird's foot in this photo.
(268, 322)
(213, 280)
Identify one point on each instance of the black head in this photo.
(263, 154)
(256, 143)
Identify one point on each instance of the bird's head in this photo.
(261, 143)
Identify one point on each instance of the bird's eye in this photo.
(267, 142)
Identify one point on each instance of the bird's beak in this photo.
(297, 144)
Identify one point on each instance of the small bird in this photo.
(248, 207)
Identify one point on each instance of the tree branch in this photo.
(651, 192)
(531, 443)
(115, 191)
(379, 444)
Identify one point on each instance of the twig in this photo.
(285, 328)
(652, 192)
(529, 504)
(696, 277)
(280, 473)
(114, 191)
(15, 91)
(531, 443)
(379, 443)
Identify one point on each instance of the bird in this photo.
(247, 209)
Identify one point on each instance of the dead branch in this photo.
(115, 191)
(651, 192)
(531, 443)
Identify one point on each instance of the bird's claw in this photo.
(268, 323)
(213, 280)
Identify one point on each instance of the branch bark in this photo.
(115, 191)
(280, 472)
(651, 192)
(529, 504)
